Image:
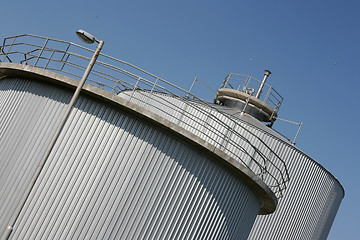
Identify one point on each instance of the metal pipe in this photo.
(17, 212)
(266, 74)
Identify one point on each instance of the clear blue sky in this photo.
(311, 47)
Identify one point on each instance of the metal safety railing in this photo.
(153, 92)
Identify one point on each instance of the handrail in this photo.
(118, 76)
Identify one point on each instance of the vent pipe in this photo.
(266, 74)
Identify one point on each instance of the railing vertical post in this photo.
(47, 63)
(279, 104)
(114, 88)
(62, 58)
(267, 94)
(297, 133)
(42, 50)
(228, 79)
(152, 89)
(246, 104)
(132, 93)
(26, 63)
(6, 54)
(1, 51)
(192, 85)
(247, 81)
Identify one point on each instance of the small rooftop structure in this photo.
(250, 96)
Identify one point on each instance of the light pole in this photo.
(87, 38)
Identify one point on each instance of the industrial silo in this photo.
(140, 158)
(135, 158)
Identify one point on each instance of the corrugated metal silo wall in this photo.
(313, 196)
(25, 132)
(308, 208)
(110, 175)
(311, 200)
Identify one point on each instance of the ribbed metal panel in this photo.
(28, 120)
(308, 208)
(311, 200)
(313, 197)
(111, 175)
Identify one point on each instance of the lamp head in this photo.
(85, 36)
(267, 72)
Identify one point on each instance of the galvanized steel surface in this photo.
(308, 208)
(24, 134)
(313, 197)
(311, 200)
(115, 75)
(114, 176)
